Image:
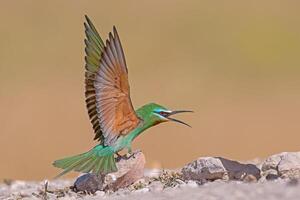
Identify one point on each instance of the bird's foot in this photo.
(121, 157)
(132, 154)
(127, 156)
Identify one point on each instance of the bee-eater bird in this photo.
(115, 122)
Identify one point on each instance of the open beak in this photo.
(176, 120)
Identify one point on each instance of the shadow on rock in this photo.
(239, 171)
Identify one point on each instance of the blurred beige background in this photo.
(235, 63)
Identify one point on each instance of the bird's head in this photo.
(155, 114)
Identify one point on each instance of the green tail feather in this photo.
(99, 160)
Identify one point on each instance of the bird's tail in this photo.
(98, 160)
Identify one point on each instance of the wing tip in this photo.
(115, 30)
(110, 36)
(88, 23)
(87, 18)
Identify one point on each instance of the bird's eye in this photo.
(162, 113)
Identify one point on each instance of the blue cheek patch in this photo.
(157, 110)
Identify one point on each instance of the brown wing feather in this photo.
(114, 108)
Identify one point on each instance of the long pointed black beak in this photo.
(176, 120)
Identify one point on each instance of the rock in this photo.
(287, 164)
(212, 168)
(206, 168)
(129, 171)
(88, 183)
(271, 162)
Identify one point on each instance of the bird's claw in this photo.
(132, 154)
(127, 156)
(121, 157)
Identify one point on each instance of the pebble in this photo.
(100, 193)
(143, 190)
(192, 184)
(156, 186)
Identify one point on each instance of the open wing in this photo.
(114, 107)
(93, 48)
(107, 88)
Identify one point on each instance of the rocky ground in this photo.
(276, 177)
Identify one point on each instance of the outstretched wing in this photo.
(115, 111)
(93, 48)
(107, 89)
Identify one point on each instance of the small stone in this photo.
(143, 190)
(271, 177)
(270, 171)
(110, 178)
(100, 193)
(192, 184)
(88, 183)
(249, 178)
(208, 168)
(156, 186)
(179, 181)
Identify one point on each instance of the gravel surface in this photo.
(59, 189)
(225, 190)
(208, 178)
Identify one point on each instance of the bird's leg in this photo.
(125, 156)
(129, 149)
(118, 155)
(132, 153)
(129, 152)
(128, 155)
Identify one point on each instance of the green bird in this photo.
(115, 122)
